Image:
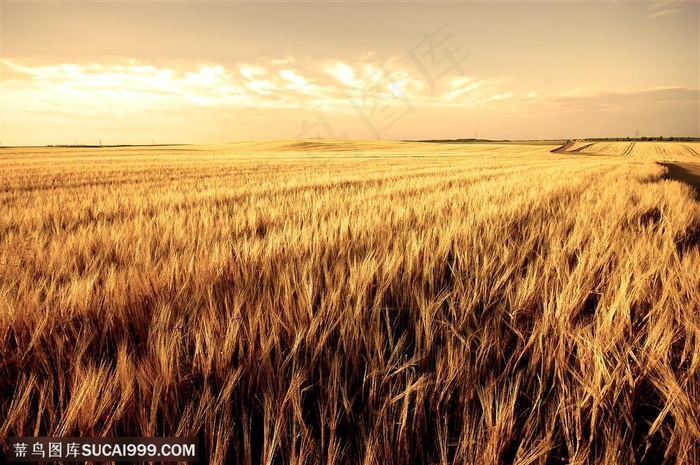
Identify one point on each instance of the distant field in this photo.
(326, 302)
(659, 151)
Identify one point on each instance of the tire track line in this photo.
(629, 149)
(691, 150)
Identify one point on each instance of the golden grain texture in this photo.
(651, 151)
(353, 303)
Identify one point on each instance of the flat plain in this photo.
(325, 301)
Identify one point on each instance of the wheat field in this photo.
(328, 302)
(654, 151)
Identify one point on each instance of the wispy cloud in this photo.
(622, 102)
(659, 8)
(472, 91)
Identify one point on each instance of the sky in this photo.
(215, 72)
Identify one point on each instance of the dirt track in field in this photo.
(688, 173)
(564, 147)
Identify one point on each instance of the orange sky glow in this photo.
(201, 72)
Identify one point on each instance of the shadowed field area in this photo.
(342, 302)
(688, 173)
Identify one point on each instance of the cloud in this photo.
(141, 89)
(659, 8)
(471, 91)
(262, 87)
(125, 88)
(296, 82)
(502, 96)
(623, 102)
(251, 71)
(343, 73)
